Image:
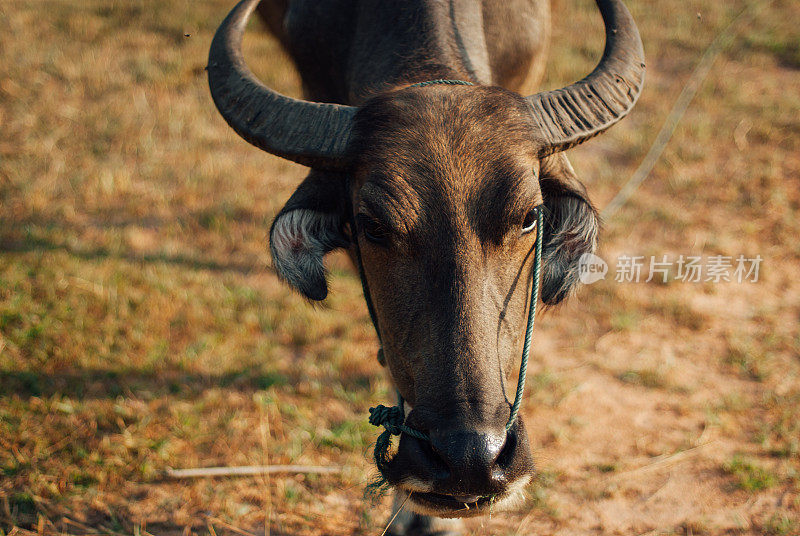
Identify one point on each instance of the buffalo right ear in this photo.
(310, 225)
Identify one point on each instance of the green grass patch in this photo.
(606, 467)
(22, 503)
(625, 320)
(782, 525)
(82, 480)
(750, 476)
(779, 434)
(349, 435)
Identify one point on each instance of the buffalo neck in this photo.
(400, 44)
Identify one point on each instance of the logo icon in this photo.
(591, 268)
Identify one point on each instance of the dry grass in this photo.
(141, 326)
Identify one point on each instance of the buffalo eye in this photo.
(531, 218)
(373, 230)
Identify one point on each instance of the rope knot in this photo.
(390, 418)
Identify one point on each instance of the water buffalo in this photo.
(433, 188)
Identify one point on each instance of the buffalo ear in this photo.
(310, 225)
(571, 225)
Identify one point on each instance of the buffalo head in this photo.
(437, 185)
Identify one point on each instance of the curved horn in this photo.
(573, 114)
(310, 133)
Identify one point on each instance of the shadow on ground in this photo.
(89, 384)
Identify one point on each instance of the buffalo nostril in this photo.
(438, 464)
(423, 460)
(507, 453)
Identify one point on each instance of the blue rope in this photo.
(526, 347)
(392, 418)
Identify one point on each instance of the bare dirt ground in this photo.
(142, 327)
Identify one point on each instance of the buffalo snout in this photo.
(462, 467)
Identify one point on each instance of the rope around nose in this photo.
(392, 418)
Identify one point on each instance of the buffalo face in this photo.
(441, 202)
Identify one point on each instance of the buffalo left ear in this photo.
(571, 224)
(309, 226)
